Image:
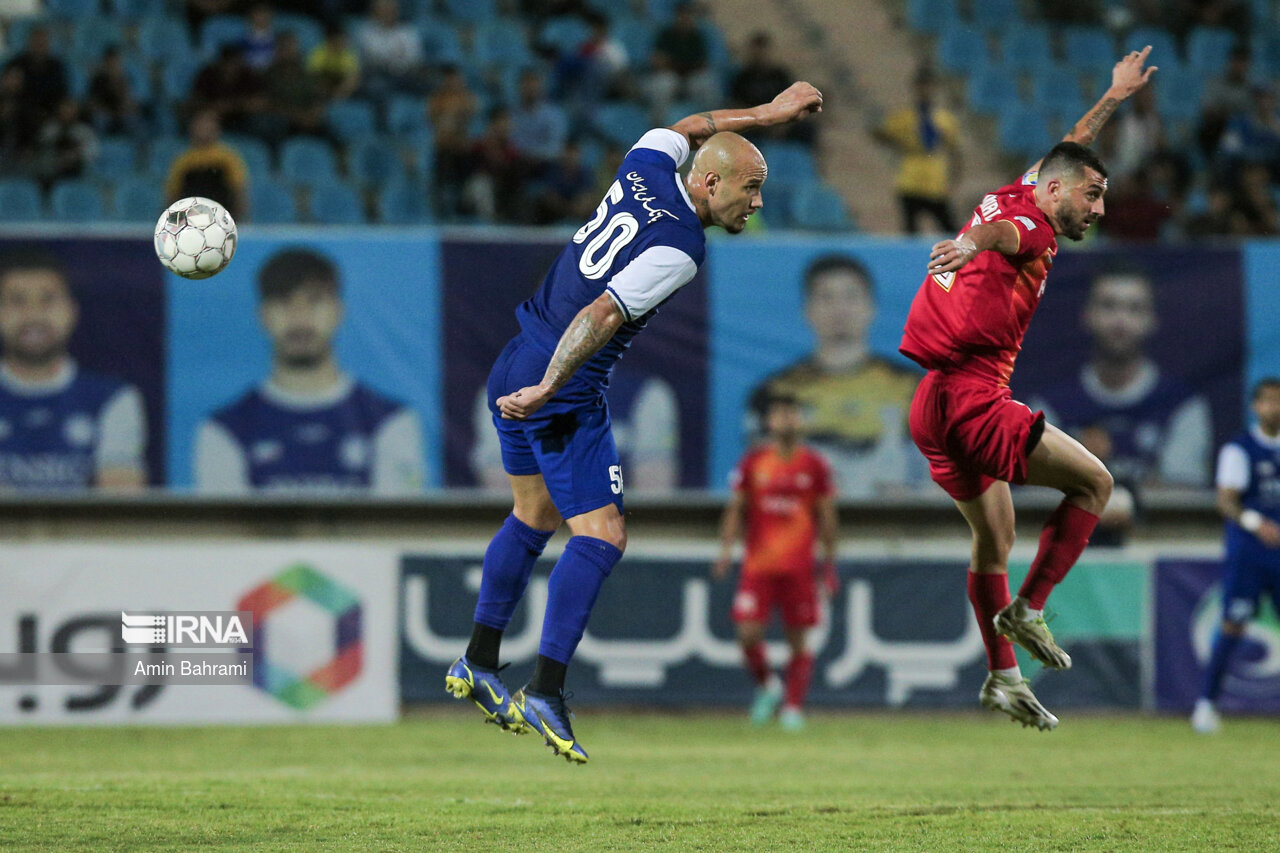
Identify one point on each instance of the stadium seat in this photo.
(931, 16)
(1054, 84)
(255, 153)
(789, 161)
(307, 162)
(308, 30)
(1164, 48)
(636, 37)
(992, 90)
(77, 201)
(1026, 48)
(218, 30)
(1208, 49)
(139, 79)
(71, 9)
(406, 114)
(820, 208)
(163, 151)
(962, 49)
(718, 54)
(92, 34)
(117, 157)
(501, 42)
(779, 202)
(167, 40)
(404, 203)
(137, 9)
(564, 33)
(138, 199)
(994, 14)
(271, 203)
(77, 79)
(1027, 131)
(20, 201)
(471, 11)
(353, 118)
(374, 161)
(1088, 48)
(441, 45)
(1178, 93)
(621, 124)
(336, 204)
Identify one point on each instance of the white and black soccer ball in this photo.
(195, 237)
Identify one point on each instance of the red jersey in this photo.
(973, 321)
(782, 495)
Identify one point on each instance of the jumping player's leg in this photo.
(991, 519)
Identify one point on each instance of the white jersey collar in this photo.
(38, 388)
(1262, 438)
(1137, 390)
(684, 192)
(306, 401)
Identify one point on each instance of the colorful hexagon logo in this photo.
(302, 584)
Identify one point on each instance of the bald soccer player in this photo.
(547, 391)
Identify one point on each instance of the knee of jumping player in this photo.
(1096, 489)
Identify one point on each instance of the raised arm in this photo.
(1126, 78)
(794, 103)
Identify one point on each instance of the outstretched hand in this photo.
(797, 101)
(1129, 76)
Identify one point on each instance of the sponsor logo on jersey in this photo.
(945, 280)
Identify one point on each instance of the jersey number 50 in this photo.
(597, 256)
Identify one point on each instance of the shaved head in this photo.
(724, 182)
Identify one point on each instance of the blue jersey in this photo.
(59, 435)
(643, 243)
(265, 440)
(1250, 463)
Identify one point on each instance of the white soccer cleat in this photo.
(1205, 718)
(1031, 632)
(1013, 696)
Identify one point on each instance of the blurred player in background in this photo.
(1160, 429)
(1249, 500)
(61, 427)
(546, 391)
(309, 427)
(965, 327)
(784, 503)
(855, 402)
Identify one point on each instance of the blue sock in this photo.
(1223, 645)
(571, 593)
(508, 563)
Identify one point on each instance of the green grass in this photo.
(697, 782)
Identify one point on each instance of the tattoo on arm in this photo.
(583, 339)
(1097, 117)
(709, 129)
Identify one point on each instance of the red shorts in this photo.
(972, 432)
(794, 593)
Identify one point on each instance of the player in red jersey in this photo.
(965, 327)
(785, 492)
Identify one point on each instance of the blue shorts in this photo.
(568, 441)
(1251, 568)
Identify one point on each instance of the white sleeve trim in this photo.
(398, 465)
(1233, 468)
(651, 277)
(221, 465)
(672, 143)
(121, 431)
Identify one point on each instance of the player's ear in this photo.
(711, 180)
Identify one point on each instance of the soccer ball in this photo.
(195, 238)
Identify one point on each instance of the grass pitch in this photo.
(441, 781)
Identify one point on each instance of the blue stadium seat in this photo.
(404, 203)
(163, 151)
(1164, 48)
(117, 157)
(564, 34)
(20, 201)
(218, 30)
(1208, 49)
(931, 16)
(1053, 84)
(779, 202)
(255, 153)
(1178, 93)
(471, 11)
(820, 208)
(176, 81)
(790, 162)
(636, 37)
(308, 30)
(1088, 48)
(680, 110)
(1026, 47)
(374, 161)
(77, 79)
(621, 123)
(139, 9)
(718, 55)
(406, 114)
(92, 34)
(995, 14)
(139, 79)
(962, 49)
(1027, 131)
(352, 119)
(71, 9)
(77, 201)
(441, 45)
(138, 199)
(167, 40)
(308, 162)
(271, 203)
(501, 42)
(992, 90)
(336, 204)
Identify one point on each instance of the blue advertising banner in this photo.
(1188, 608)
(1261, 260)
(898, 632)
(277, 384)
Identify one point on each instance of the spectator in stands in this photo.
(259, 43)
(335, 64)
(928, 138)
(1233, 15)
(209, 167)
(1225, 97)
(1217, 218)
(1135, 211)
(230, 88)
(596, 70)
(1253, 136)
(450, 111)
(539, 127)
(67, 144)
(295, 94)
(198, 10)
(44, 83)
(110, 102)
(15, 139)
(495, 171)
(390, 52)
(566, 190)
(760, 73)
(681, 66)
(1138, 136)
(1253, 207)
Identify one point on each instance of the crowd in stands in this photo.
(352, 111)
(1195, 155)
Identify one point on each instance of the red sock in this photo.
(756, 664)
(988, 594)
(799, 674)
(1064, 536)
